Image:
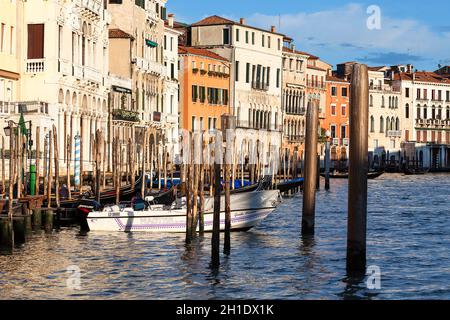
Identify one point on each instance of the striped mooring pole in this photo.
(77, 161)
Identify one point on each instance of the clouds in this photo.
(341, 34)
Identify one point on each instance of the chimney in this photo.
(293, 47)
(242, 21)
(273, 29)
(170, 19)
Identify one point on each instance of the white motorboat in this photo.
(247, 210)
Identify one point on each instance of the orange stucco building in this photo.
(204, 88)
(336, 119)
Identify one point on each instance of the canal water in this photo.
(408, 240)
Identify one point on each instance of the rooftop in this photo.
(200, 52)
(119, 34)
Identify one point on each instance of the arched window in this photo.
(382, 101)
(372, 124)
(390, 102)
(407, 111)
(448, 113)
(371, 101)
(397, 124)
(382, 124)
(396, 103)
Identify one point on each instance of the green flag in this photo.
(22, 125)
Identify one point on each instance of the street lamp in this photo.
(7, 131)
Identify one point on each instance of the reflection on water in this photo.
(408, 237)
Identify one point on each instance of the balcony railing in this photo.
(125, 115)
(394, 133)
(91, 6)
(5, 107)
(65, 67)
(300, 111)
(314, 84)
(258, 85)
(171, 118)
(78, 72)
(432, 123)
(296, 138)
(93, 75)
(345, 141)
(120, 82)
(35, 66)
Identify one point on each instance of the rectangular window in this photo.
(215, 123)
(194, 93)
(247, 73)
(165, 42)
(246, 36)
(418, 94)
(268, 76)
(202, 94)
(253, 38)
(2, 36)
(278, 77)
(172, 70)
(343, 109)
(448, 96)
(209, 123)
(279, 44)
(225, 97)
(193, 123)
(343, 132)
(269, 41)
(35, 48)
(333, 109)
(263, 40)
(11, 41)
(226, 36)
(425, 94)
(333, 131)
(237, 35)
(407, 92)
(333, 91)
(344, 92)
(236, 75)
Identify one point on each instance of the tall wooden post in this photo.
(119, 169)
(69, 161)
(50, 173)
(45, 175)
(56, 152)
(11, 171)
(309, 192)
(327, 165)
(3, 166)
(144, 159)
(38, 158)
(215, 240)
(196, 164)
(133, 167)
(19, 148)
(358, 168)
(81, 160)
(98, 160)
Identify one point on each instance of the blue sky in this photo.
(413, 31)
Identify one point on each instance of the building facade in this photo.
(205, 89)
(336, 120)
(170, 110)
(137, 58)
(256, 70)
(9, 56)
(426, 105)
(294, 98)
(64, 71)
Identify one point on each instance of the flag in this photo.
(22, 126)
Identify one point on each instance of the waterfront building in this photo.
(63, 49)
(336, 121)
(426, 105)
(316, 90)
(169, 108)
(137, 66)
(204, 89)
(294, 97)
(256, 77)
(9, 58)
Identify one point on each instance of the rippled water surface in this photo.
(408, 238)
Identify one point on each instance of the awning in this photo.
(150, 43)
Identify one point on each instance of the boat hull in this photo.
(173, 222)
(247, 210)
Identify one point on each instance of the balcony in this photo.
(172, 118)
(5, 107)
(422, 99)
(152, 16)
(346, 142)
(299, 112)
(91, 8)
(78, 72)
(125, 115)
(93, 75)
(394, 133)
(35, 66)
(120, 82)
(258, 85)
(316, 85)
(155, 68)
(336, 141)
(65, 67)
(141, 63)
(156, 116)
(296, 138)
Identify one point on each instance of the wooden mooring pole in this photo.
(215, 240)
(309, 192)
(358, 168)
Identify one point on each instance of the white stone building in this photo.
(256, 75)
